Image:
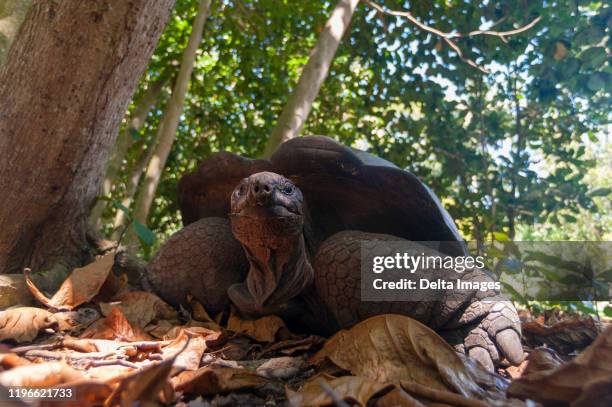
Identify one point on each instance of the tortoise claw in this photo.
(495, 333)
(482, 356)
(509, 343)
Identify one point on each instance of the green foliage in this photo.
(145, 235)
(503, 151)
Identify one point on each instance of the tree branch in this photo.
(448, 37)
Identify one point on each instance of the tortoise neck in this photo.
(278, 274)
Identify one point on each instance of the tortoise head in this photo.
(267, 210)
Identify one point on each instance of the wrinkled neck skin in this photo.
(279, 272)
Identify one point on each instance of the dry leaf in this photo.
(40, 375)
(213, 340)
(567, 335)
(198, 330)
(114, 286)
(390, 348)
(161, 328)
(115, 326)
(442, 396)
(571, 381)
(281, 368)
(541, 359)
(596, 394)
(397, 398)
(352, 389)
(292, 346)
(143, 385)
(198, 312)
(14, 291)
(81, 285)
(110, 374)
(214, 379)
(514, 372)
(4, 395)
(86, 345)
(24, 324)
(85, 393)
(188, 349)
(262, 329)
(140, 308)
(105, 346)
(75, 320)
(11, 360)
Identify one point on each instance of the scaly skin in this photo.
(322, 289)
(204, 260)
(481, 323)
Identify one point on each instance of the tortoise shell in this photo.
(344, 189)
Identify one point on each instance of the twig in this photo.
(447, 37)
(23, 349)
(440, 396)
(45, 354)
(501, 34)
(147, 345)
(112, 362)
(220, 350)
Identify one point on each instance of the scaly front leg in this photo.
(483, 324)
(487, 327)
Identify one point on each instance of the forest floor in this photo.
(96, 342)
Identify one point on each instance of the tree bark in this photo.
(123, 144)
(313, 75)
(12, 13)
(166, 133)
(64, 90)
(516, 159)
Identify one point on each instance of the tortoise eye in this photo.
(240, 190)
(287, 189)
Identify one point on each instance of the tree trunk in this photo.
(131, 188)
(12, 13)
(315, 71)
(516, 159)
(124, 142)
(65, 88)
(166, 133)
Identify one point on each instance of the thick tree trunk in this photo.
(313, 75)
(169, 123)
(123, 144)
(12, 13)
(64, 90)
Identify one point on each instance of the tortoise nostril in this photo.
(261, 191)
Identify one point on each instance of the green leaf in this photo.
(121, 207)
(146, 235)
(594, 57)
(501, 237)
(608, 311)
(606, 275)
(585, 308)
(515, 294)
(569, 218)
(134, 134)
(589, 35)
(596, 81)
(511, 266)
(600, 192)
